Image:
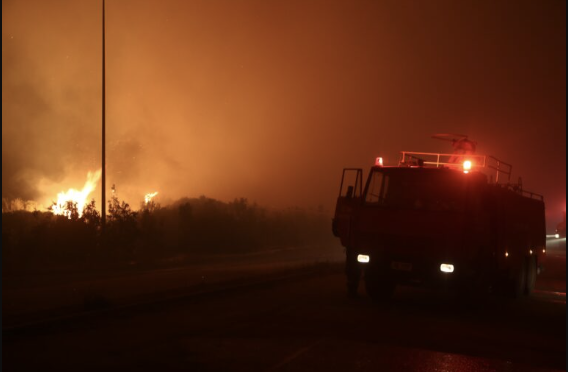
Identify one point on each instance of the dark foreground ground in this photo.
(308, 324)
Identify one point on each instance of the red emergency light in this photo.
(467, 166)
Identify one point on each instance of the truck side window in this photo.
(378, 187)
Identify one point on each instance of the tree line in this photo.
(189, 228)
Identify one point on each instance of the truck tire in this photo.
(531, 275)
(378, 287)
(352, 273)
(518, 280)
(479, 287)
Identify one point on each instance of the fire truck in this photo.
(440, 220)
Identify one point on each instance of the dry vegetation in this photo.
(187, 229)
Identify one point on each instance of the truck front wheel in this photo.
(352, 272)
(378, 287)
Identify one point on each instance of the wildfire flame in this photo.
(76, 196)
(148, 197)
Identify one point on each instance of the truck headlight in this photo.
(363, 258)
(447, 268)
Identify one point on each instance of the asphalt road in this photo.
(32, 297)
(311, 325)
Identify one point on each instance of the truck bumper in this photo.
(424, 274)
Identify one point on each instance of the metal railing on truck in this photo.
(428, 159)
(503, 170)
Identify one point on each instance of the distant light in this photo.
(544, 251)
(363, 258)
(530, 251)
(447, 268)
(379, 162)
(557, 236)
(506, 254)
(467, 166)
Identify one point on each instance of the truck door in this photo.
(349, 198)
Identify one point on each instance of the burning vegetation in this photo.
(75, 201)
(148, 197)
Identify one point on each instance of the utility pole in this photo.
(103, 178)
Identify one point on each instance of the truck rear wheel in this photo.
(378, 287)
(518, 280)
(531, 275)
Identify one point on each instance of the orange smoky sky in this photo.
(269, 100)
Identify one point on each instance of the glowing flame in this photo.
(148, 197)
(76, 196)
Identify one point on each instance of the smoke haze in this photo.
(269, 100)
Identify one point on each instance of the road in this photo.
(310, 324)
(33, 297)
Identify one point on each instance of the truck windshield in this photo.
(417, 189)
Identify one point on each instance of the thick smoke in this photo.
(270, 100)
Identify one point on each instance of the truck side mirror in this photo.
(349, 193)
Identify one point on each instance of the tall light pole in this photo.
(103, 178)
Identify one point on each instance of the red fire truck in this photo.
(442, 220)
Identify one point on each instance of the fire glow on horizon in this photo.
(81, 197)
